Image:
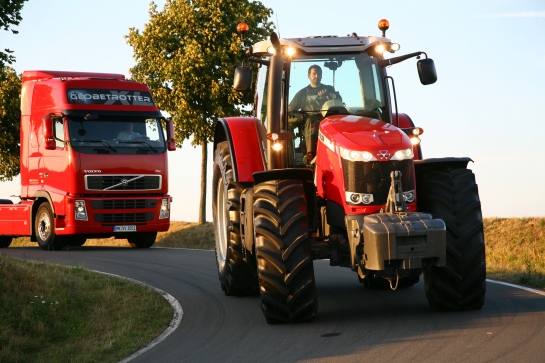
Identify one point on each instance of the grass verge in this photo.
(53, 313)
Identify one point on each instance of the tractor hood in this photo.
(356, 133)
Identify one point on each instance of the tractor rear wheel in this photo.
(284, 265)
(453, 196)
(236, 276)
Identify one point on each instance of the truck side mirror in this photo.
(171, 144)
(47, 132)
(243, 79)
(426, 71)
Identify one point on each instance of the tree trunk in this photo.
(202, 207)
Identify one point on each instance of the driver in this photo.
(128, 134)
(311, 98)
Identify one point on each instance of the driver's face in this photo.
(315, 77)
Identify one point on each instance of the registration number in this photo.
(124, 228)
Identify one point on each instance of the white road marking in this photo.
(177, 315)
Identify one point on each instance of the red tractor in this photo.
(331, 170)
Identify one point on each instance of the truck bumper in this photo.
(408, 238)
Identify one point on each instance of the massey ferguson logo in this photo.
(92, 171)
(383, 155)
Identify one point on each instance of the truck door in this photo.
(56, 174)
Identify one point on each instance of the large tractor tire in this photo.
(284, 265)
(44, 228)
(236, 276)
(452, 195)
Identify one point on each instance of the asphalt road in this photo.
(353, 324)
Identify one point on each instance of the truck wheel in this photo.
(142, 240)
(284, 265)
(236, 276)
(75, 241)
(5, 241)
(44, 228)
(453, 196)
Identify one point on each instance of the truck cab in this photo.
(93, 161)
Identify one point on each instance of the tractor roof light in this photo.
(271, 50)
(242, 29)
(290, 52)
(394, 47)
(383, 25)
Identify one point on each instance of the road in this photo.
(353, 324)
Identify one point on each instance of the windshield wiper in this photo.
(102, 142)
(138, 142)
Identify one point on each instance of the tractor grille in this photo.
(122, 182)
(123, 218)
(373, 177)
(123, 204)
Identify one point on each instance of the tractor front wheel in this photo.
(453, 196)
(284, 264)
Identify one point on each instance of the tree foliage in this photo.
(10, 113)
(10, 15)
(187, 55)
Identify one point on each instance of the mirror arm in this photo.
(259, 61)
(392, 61)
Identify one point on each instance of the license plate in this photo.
(124, 228)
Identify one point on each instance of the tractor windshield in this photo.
(345, 84)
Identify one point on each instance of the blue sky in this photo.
(489, 54)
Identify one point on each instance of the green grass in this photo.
(52, 313)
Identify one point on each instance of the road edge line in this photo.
(177, 315)
(517, 286)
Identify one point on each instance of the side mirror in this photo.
(47, 133)
(171, 144)
(47, 127)
(243, 79)
(426, 71)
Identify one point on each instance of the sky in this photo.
(489, 56)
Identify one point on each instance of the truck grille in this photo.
(123, 204)
(122, 182)
(123, 218)
(373, 177)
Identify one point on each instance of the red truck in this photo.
(93, 162)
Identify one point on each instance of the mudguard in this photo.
(246, 136)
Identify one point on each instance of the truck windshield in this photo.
(342, 83)
(116, 134)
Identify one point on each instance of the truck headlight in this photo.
(165, 208)
(80, 210)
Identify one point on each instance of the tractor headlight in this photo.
(359, 198)
(354, 155)
(80, 210)
(165, 208)
(403, 154)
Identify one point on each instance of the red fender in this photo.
(245, 136)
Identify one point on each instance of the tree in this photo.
(10, 14)
(10, 100)
(187, 55)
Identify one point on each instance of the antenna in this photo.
(277, 26)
